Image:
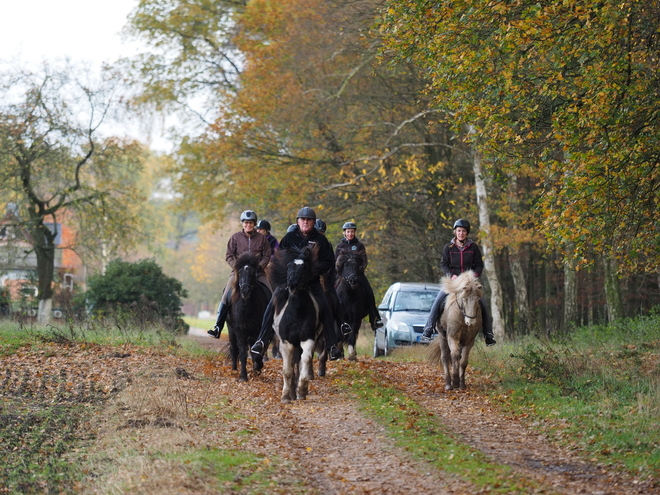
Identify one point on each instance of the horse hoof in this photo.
(286, 400)
(352, 358)
(243, 379)
(449, 387)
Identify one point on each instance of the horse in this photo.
(459, 325)
(248, 304)
(354, 301)
(297, 320)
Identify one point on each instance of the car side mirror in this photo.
(383, 308)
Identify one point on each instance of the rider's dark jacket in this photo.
(316, 241)
(242, 242)
(456, 260)
(352, 248)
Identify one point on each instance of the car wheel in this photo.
(377, 351)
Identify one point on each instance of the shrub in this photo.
(141, 289)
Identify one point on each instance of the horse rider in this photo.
(304, 234)
(351, 246)
(458, 256)
(263, 227)
(329, 281)
(248, 240)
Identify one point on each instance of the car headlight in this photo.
(400, 326)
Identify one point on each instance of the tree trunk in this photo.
(45, 252)
(612, 291)
(487, 247)
(570, 295)
(522, 299)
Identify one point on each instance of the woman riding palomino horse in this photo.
(350, 246)
(248, 240)
(460, 325)
(302, 235)
(458, 256)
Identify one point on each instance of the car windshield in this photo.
(414, 301)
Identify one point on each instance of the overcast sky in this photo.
(83, 30)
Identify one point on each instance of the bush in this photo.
(141, 289)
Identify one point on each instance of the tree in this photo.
(568, 87)
(141, 288)
(54, 164)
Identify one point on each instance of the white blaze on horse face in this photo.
(298, 262)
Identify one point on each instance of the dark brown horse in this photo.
(354, 301)
(248, 304)
(459, 325)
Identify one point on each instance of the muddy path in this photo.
(343, 451)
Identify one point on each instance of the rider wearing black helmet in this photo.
(320, 225)
(458, 256)
(351, 246)
(305, 235)
(247, 240)
(263, 227)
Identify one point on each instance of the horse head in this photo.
(299, 271)
(350, 271)
(246, 268)
(468, 293)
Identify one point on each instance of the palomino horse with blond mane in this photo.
(459, 325)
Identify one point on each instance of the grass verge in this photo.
(418, 432)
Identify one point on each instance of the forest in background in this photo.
(536, 121)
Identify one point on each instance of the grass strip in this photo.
(419, 433)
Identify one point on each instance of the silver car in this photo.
(404, 311)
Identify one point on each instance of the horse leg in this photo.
(465, 354)
(352, 337)
(305, 368)
(446, 360)
(454, 360)
(233, 349)
(242, 356)
(287, 370)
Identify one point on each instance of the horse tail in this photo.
(435, 351)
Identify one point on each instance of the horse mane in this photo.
(279, 264)
(466, 281)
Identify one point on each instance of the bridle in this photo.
(462, 308)
(249, 285)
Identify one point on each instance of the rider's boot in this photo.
(375, 320)
(434, 317)
(215, 331)
(487, 327)
(266, 334)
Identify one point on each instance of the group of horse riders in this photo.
(302, 234)
(459, 255)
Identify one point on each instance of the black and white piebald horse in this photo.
(248, 304)
(297, 320)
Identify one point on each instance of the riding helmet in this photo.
(292, 227)
(306, 212)
(349, 225)
(320, 225)
(263, 224)
(462, 223)
(249, 215)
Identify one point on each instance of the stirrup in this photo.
(490, 340)
(258, 348)
(345, 329)
(214, 332)
(335, 353)
(378, 323)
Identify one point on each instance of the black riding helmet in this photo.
(462, 223)
(249, 215)
(320, 225)
(263, 224)
(306, 212)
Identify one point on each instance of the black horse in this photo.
(297, 321)
(354, 301)
(248, 304)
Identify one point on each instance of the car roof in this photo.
(410, 286)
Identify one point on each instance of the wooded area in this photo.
(537, 121)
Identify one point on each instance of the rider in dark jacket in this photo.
(263, 227)
(305, 235)
(351, 246)
(248, 240)
(458, 256)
